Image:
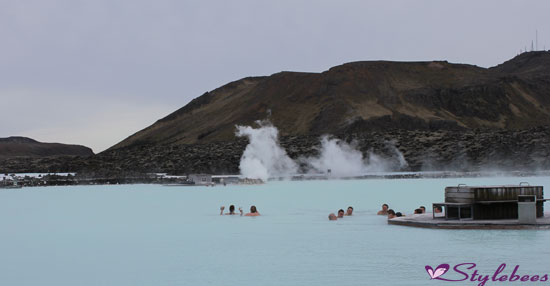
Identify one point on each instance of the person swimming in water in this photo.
(349, 211)
(340, 213)
(384, 210)
(231, 210)
(253, 212)
(418, 211)
(423, 208)
(391, 214)
(332, 216)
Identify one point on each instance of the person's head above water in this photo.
(231, 210)
(332, 216)
(384, 210)
(391, 213)
(423, 208)
(398, 214)
(418, 211)
(349, 211)
(341, 213)
(253, 211)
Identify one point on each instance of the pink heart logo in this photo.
(439, 270)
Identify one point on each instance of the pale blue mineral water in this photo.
(155, 235)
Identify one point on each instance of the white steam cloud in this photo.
(345, 160)
(264, 157)
(338, 156)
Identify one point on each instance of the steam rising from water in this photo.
(345, 160)
(264, 157)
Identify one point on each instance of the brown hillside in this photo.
(367, 96)
(26, 147)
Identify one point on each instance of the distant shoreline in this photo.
(73, 179)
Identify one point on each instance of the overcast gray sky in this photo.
(95, 72)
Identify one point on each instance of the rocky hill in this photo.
(12, 147)
(364, 97)
(438, 115)
(459, 150)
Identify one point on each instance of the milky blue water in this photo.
(155, 235)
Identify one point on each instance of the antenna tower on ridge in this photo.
(536, 40)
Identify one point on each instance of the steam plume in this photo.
(264, 157)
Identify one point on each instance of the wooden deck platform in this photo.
(426, 221)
